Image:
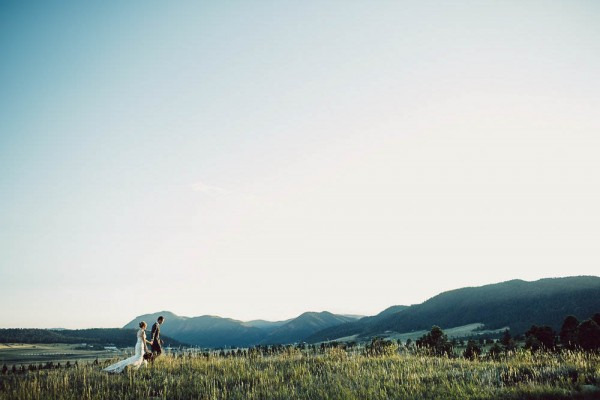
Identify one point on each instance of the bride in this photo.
(137, 360)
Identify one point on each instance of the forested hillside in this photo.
(514, 304)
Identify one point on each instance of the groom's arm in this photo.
(154, 331)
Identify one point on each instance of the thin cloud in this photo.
(201, 187)
(217, 191)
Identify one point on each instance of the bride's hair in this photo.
(142, 324)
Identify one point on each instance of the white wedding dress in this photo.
(135, 361)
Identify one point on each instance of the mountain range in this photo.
(212, 331)
(514, 304)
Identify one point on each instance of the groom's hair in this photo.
(160, 318)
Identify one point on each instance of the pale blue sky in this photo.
(261, 159)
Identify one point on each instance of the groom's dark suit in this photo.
(156, 342)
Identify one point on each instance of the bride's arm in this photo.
(146, 341)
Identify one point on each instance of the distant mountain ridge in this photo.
(303, 326)
(204, 331)
(266, 325)
(212, 331)
(516, 304)
(353, 327)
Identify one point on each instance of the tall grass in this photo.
(334, 375)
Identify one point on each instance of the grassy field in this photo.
(334, 375)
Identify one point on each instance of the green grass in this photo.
(335, 375)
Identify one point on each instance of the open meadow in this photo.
(336, 374)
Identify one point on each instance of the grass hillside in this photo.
(335, 374)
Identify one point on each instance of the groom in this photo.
(156, 340)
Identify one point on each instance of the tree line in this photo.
(573, 335)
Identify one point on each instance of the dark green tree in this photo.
(495, 351)
(472, 351)
(436, 342)
(540, 338)
(588, 335)
(507, 341)
(568, 332)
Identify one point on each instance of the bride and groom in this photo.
(141, 348)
